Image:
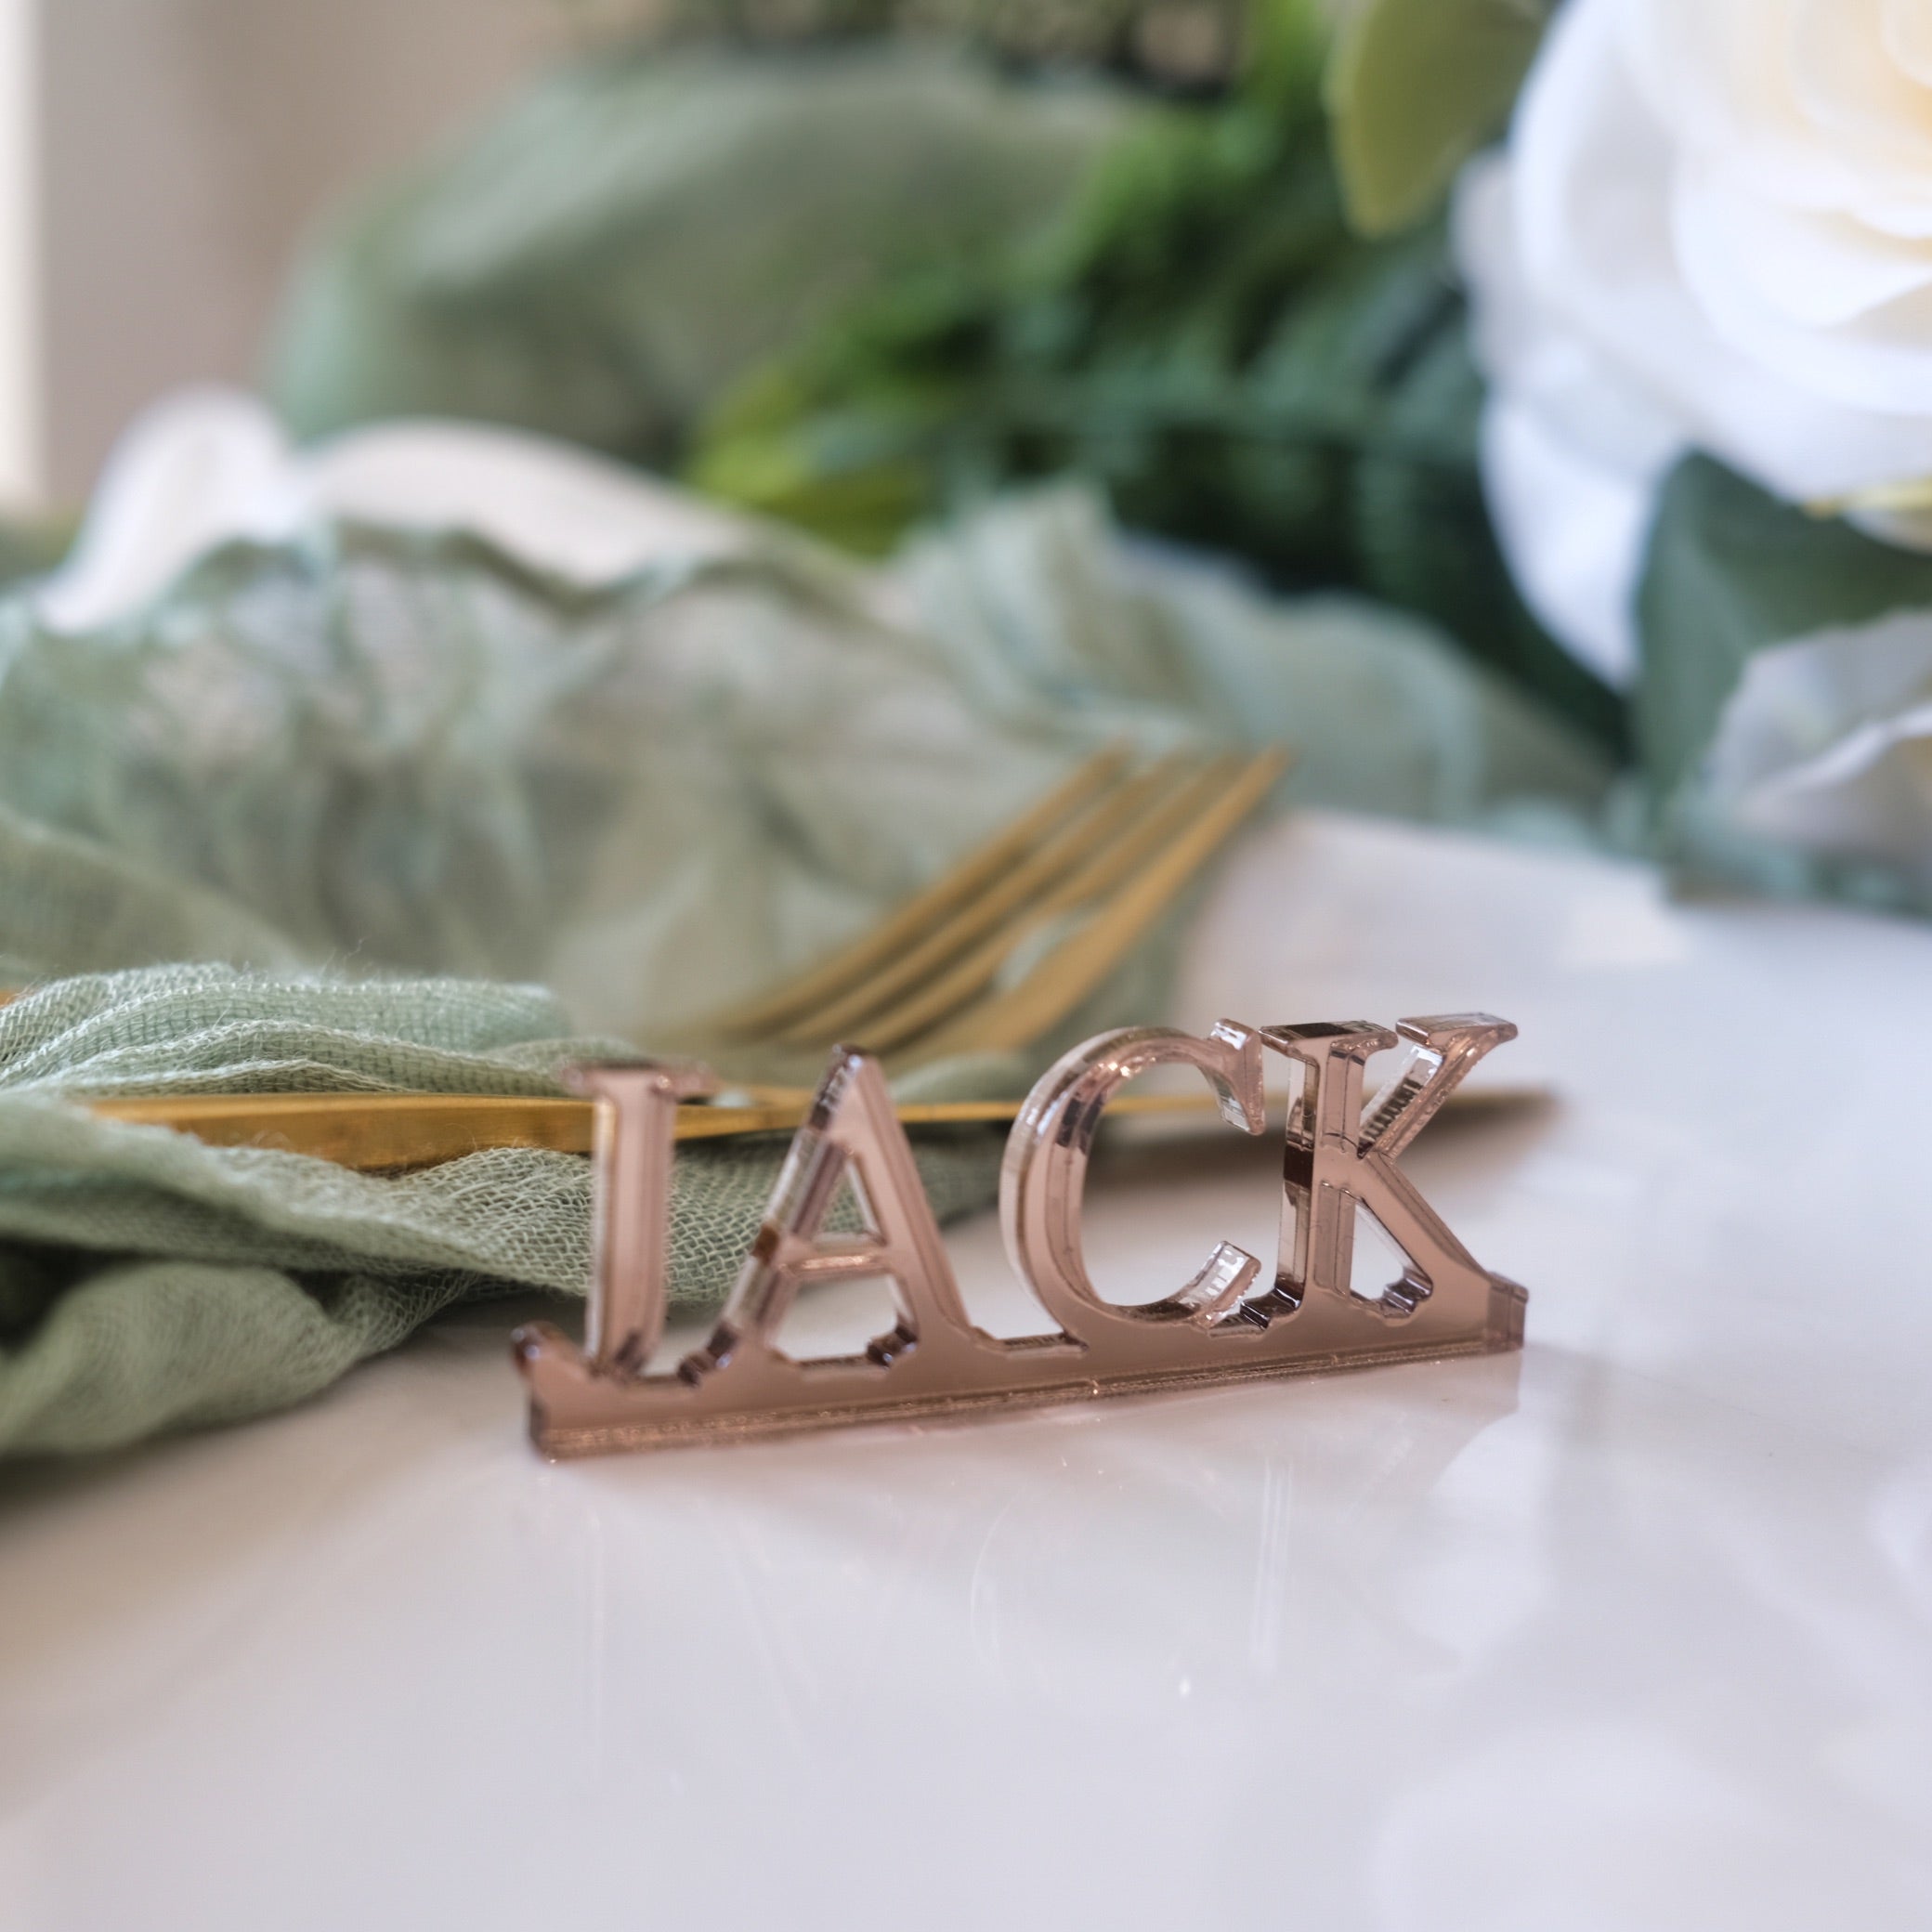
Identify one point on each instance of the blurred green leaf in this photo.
(1288, 45)
(1415, 87)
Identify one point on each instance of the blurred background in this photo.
(165, 159)
(162, 160)
(854, 263)
(1388, 304)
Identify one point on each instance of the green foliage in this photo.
(640, 228)
(1288, 45)
(1176, 42)
(1413, 87)
(1206, 339)
(1730, 571)
(30, 548)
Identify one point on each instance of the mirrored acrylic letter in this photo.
(934, 1363)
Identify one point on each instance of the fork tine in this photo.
(1019, 1015)
(1174, 809)
(1028, 886)
(970, 876)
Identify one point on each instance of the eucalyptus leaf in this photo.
(1413, 87)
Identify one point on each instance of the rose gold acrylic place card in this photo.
(1227, 1324)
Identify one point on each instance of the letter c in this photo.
(1042, 1178)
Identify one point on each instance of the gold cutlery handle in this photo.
(393, 1132)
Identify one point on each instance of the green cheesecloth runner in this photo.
(147, 1282)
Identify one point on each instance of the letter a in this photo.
(851, 1133)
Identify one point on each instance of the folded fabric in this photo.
(147, 1282)
(392, 751)
(562, 725)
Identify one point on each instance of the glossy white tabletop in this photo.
(1633, 1631)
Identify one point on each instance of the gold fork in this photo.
(1077, 881)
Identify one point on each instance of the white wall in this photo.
(154, 183)
(21, 427)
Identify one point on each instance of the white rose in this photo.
(1826, 745)
(1712, 228)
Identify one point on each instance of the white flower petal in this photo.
(1853, 91)
(1718, 73)
(1522, 344)
(1573, 530)
(1591, 169)
(1795, 97)
(1827, 743)
(1572, 452)
(1815, 269)
(1907, 28)
(1880, 364)
(1723, 229)
(1911, 218)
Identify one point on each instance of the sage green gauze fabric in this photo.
(383, 751)
(148, 1283)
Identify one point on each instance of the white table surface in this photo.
(1632, 1631)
